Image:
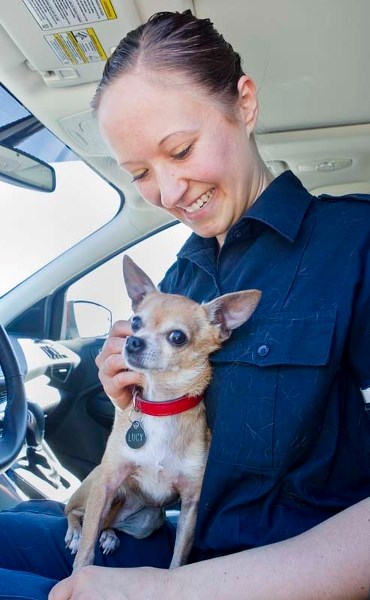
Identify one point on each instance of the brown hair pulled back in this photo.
(177, 42)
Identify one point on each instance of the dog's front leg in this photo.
(185, 532)
(98, 504)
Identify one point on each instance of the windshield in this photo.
(38, 226)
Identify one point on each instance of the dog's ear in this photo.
(138, 284)
(232, 310)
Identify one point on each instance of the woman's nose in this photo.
(172, 187)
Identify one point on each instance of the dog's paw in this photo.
(72, 539)
(108, 541)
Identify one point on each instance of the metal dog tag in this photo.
(135, 437)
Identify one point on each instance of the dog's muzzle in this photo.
(134, 345)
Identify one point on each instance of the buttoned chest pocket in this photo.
(270, 382)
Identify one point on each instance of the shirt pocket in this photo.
(269, 387)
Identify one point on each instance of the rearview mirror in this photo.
(22, 169)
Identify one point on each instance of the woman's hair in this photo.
(181, 43)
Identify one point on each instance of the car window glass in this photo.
(105, 284)
(37, 226)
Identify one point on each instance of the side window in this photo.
(104, 287)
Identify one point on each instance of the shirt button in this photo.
(237, 234)
(263, 350)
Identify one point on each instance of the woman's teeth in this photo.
(198, 204)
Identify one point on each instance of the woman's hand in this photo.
(116, 379)
(104, 583)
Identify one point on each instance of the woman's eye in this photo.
(138, 177)
(135, 323)
(177, 337)
(183, 153)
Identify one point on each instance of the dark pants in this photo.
(33, 556)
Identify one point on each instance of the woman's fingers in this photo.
(114, 342)
(119, 386)
(117, 381)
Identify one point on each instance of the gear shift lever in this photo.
(39, 456)
(35, 426)
(37, 472)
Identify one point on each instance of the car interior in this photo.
(309, 61)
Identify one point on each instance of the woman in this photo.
(290, 435)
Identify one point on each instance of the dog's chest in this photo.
(161, 465)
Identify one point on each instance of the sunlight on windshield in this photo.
(37, 227)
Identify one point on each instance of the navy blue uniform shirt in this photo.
(290, 434)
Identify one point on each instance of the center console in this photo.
(37, 473)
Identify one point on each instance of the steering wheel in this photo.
(15, 417)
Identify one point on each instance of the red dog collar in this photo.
(165, 408)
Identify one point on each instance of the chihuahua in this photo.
(158, 447)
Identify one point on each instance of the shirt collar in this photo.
(282, 206)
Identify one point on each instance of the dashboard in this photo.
(45, 365)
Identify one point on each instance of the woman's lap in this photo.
(33, 554)
(24, 586)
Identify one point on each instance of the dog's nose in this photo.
(134, 344)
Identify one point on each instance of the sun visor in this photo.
(68, 41)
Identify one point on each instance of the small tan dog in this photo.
(158, 447)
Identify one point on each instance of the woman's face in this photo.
(184, 154)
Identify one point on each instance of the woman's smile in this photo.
(200, 203)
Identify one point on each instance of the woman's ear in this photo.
(248, 102)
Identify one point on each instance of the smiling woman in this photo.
(283, 511)
(202, 145)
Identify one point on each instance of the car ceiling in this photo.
(309, 61)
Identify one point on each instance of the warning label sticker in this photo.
(76, 47)
(56, 14)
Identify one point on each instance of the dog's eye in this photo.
(135, 323)
(177, 338)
